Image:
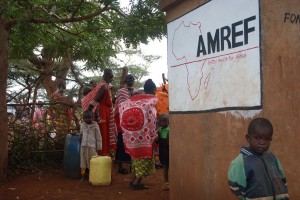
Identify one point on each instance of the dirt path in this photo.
(55, 185)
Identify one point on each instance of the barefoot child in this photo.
(163, 142)
(257, 173)
(91, 142)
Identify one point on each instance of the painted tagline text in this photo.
(227, 58)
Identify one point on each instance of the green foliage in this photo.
(95, 39)
(64, 32)
(144, 21)
(20, 69)
(139, 73)
(137, 64)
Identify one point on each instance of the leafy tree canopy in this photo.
(80, 29)
(63, 32)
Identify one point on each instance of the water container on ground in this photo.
(100, 170)
(72, 156)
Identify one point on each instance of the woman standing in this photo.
(138, 122)
(122, 95)
(100, 98)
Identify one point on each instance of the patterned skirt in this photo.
(143, 167)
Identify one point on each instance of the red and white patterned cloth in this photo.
(87, 99)
(122, 95)
(138, 122)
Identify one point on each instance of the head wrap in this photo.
(149, 86)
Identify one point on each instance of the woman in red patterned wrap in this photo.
(138, 122)
(122, 95)
(100, 97)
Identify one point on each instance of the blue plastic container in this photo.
(72, 156)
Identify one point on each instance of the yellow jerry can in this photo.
(100, 170)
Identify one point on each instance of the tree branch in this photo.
(12, 22)
(76, 10)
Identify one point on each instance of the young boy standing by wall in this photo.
(163, 142)
(256, 173)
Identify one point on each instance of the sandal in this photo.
(139, 187)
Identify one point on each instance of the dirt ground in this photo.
(53, 184)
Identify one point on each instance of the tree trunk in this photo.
(123, 76)
(4, 34)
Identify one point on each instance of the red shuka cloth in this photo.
(107, 124)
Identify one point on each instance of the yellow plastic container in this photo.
(100, 170)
